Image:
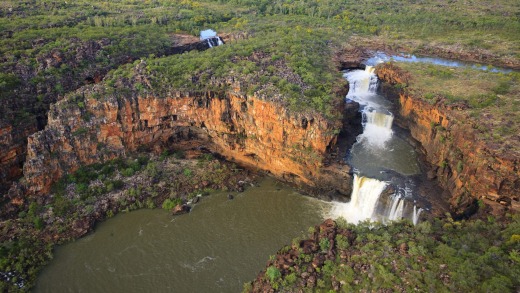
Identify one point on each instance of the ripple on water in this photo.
(216, 248)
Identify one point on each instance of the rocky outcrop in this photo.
(12, 154)
(56, 72)
(305, 260)
(468, 167)
(93, 126)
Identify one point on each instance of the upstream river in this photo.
(217, 247)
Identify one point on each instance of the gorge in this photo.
(109, 107)
(301, 212)
(367, 199)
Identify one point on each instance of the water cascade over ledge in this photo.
(376, 154)
(211, 37)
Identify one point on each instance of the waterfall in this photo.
(366, 200)
(379, 119)
(363, 201)
(416, 214)
(215, 41)
(396, 211)
(361, 82)
(377, 128)
(211, 38)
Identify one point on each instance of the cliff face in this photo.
(466, 166)
(21, 116)
(12, 154)
(247, 130)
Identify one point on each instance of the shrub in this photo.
(169, 204)
(150, 204)
(460, 166)
(151, 169)
(187, 172)
(128, 172)
(38, 223)
(342, 242)
(324, 244)
(164, 155)
(117, 184)
(273, 274)
(179, 155)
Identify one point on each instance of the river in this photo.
(217, 247)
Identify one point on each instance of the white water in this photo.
(361, 82)
(363, 201)
(216, 41)
(377, 121)
(377, 128)
(396, 211)
(416, 214)
(211, 38)
(377, 131)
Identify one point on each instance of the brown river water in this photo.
(217, 247)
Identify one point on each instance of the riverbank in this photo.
(438, 255)
(32, 227)
(222, 243)
(360, 48)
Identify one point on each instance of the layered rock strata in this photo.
(21, 116)
(249, 130)
(467, 167)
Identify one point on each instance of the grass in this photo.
(492, 99)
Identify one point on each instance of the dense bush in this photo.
(438, 255)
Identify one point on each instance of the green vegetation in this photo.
(97, 179)
(50, 48)
(292, 66)
(489, 99)
(98, 191)
(281, 51)
(273, 274)
(438, 255)
(169, 204)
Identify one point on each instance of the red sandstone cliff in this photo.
(21, 116)
(249, 130)
(468, 167)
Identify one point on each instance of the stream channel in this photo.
(223, 243)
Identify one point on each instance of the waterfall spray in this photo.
(363, 201)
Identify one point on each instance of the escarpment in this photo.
(39, 81)
(92, 126)
(467, 166)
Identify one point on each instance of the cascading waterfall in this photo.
(377, 128)
(416, 214)
(396, 211)
(399, 205)
(215, 41)
(211, 38)
(366, 202)
(365, 195)
(361, 82)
